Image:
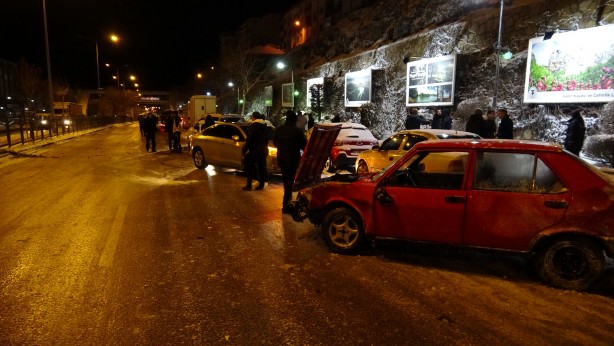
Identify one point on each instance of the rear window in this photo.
(457, 136)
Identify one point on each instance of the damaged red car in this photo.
(533, 199)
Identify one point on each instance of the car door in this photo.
(513, 197)
(230, 146)
(423, 201)
(393, 148)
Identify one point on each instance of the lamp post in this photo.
(281, 66)
(498, 48)
(51, 105)
(231, 84)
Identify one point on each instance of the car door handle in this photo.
(556, 204)
(455, 199)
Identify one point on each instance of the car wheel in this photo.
(342, 231)
(199, 159)
(329, 166)
(362, 167)
(571, 264)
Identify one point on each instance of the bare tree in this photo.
(29, 80)
(246, 68)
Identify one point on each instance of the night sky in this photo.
(164, 43)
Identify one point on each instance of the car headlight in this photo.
(272, 151)
(44, 122)
(67, 122)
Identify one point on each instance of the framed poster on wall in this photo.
(287, 95)
(430, 82)
(571, 67)
(357, 88)
(311, 82)
(268, 96)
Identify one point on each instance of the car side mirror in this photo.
(235, 138)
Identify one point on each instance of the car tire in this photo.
(329, 166)
(342, 231)
(362, 167)
(199, 158)
(571, 264)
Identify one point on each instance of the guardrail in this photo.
(22, 132)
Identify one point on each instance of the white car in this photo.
(352, 140)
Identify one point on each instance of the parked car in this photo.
(529, 198)
(228, 118)
(393, 147)
(352, 139)
(222, 144)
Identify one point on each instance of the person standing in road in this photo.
(576, 130)
(414, 120)
(490, 126)
(311, 122)
(437, 118)
(301, 121)
(506, 126)
(446, 119)
(176, 133)
(255, 152)
(150, 132)
(142, 125)
(168, 128)
(209, 121)
(476, 123)
(289, 141)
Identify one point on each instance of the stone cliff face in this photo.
(383, 35)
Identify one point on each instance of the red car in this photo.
(529, 198)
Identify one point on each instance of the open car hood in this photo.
(316, 153)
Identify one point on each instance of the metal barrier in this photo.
(31, 131)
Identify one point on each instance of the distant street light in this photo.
(231, 84)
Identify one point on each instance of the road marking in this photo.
(106, 258)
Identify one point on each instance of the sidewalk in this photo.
(22, 149)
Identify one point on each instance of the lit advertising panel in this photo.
(430, 82)
(311, 82)
(268, 96)
(287, 95)
(357, 88)
(571, 67)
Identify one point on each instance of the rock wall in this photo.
(382, 36)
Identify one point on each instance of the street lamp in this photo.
(498, 48)
(231, 84)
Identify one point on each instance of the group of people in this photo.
(290, 140)
(486, 127)
(148, 125)
(441, 119)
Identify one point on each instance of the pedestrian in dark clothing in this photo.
(289, 141)
(576, 130)
(142, 125)
(209, 121)
(506, 126)
(311, 122)
(446, 119)
(490, 126)
(151, 129)
(336, 118)
(413, 120)
(176, 123)
(437, 118)
(476, 123)
(255, 152)
(168, 128)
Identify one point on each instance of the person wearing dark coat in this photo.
(506, 126)
(490, 126)
(576, 130)
(413, 120)
(255, 152)
(150, 126)
(289, 140)
(437, 118)
(311, 122)
(209, 121)
(476, 123)
(446, 119)
(168, 128)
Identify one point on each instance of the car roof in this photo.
(435, 133)
(496, 144)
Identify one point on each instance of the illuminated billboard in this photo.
(287, 95)
(268, 96)
(430, 82)
(357, 88)
(311, 82)
(571, 67)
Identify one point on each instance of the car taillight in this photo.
(334, 153)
